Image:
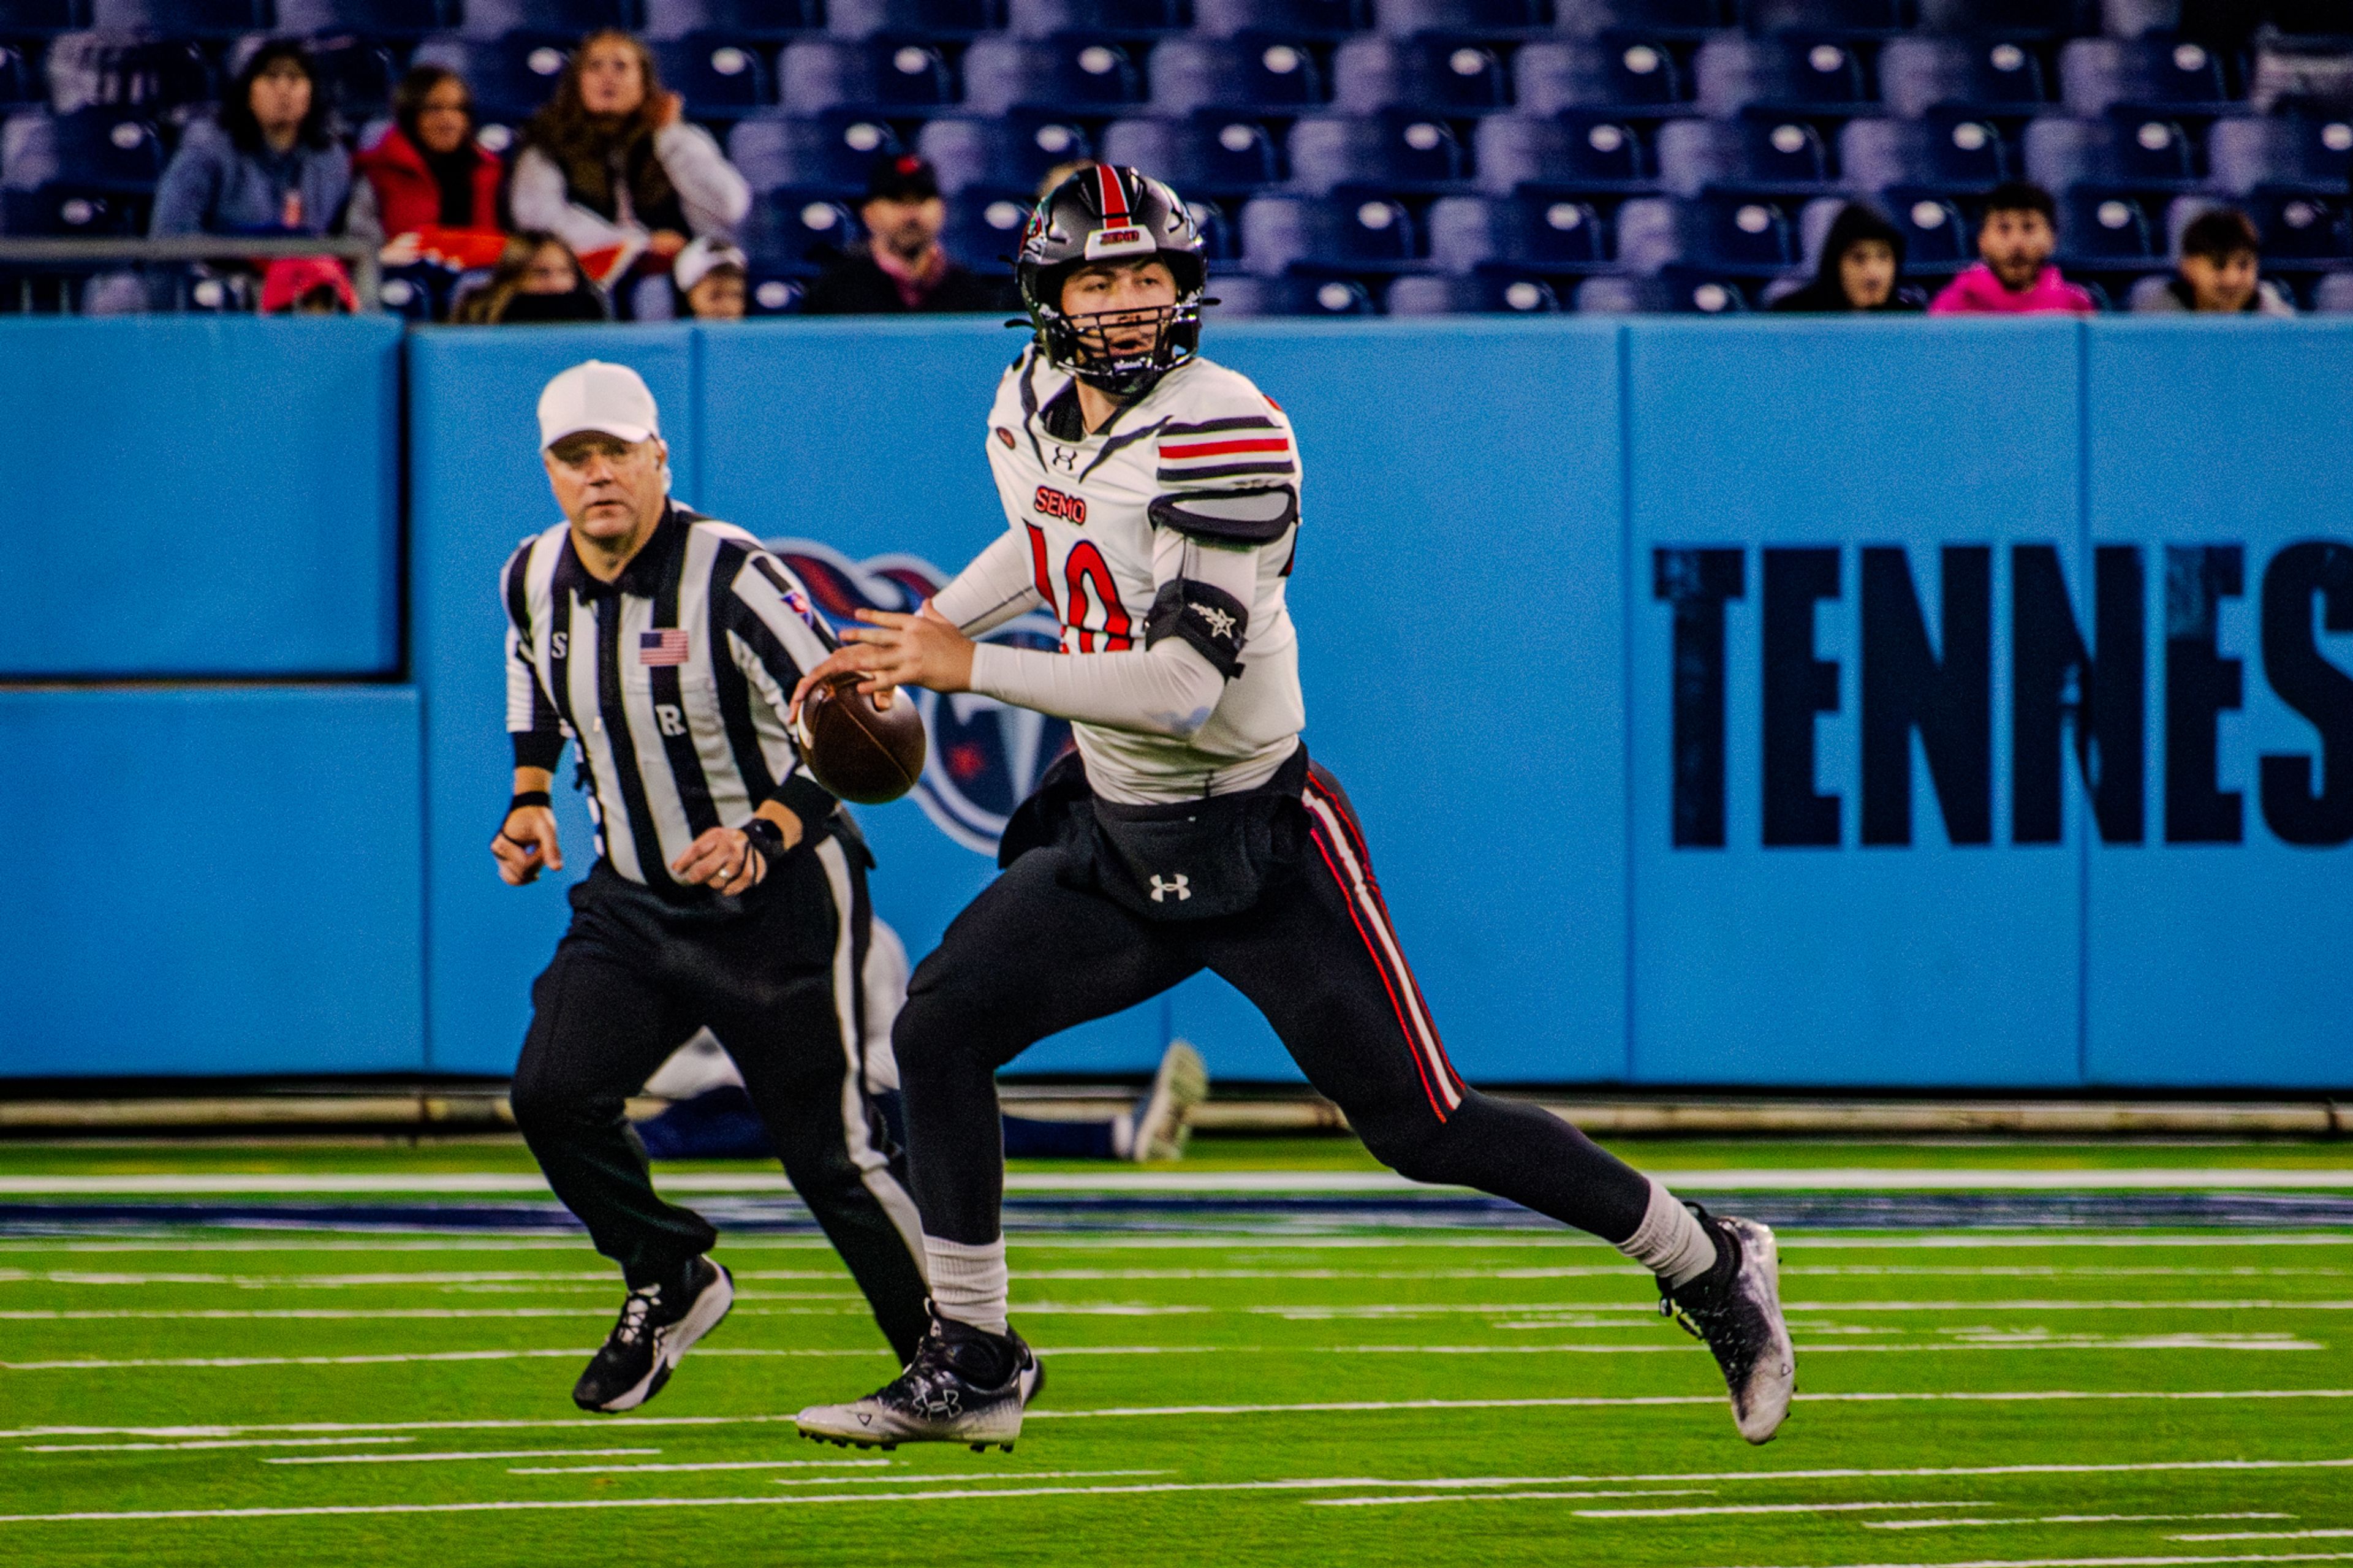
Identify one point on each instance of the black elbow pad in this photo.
(1209, 618)
(1228, 517)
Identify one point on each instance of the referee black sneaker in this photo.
(964, 1386)
(658, 1325)
(1735, 1306)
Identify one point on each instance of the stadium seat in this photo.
(1015, 150)
(2139, 19)
(1660, 19)
(1250, 73)
(20, 75)
(2010, 18)
(767, 294)
(1209, 152)
(1290, 18)
(794, 233)
(1733, 73)
(90, 149)
(511, 78)
(768, 20)
(1076, 73)
(499, 18)
(2300, 227)
(1481, 293)
(2333, 295)
(1243, 296)
(2097, 74)
(1949, 149)
(1918, 74)
(2099, 227)
(1438, 75)
(2294, 153)
(2133, 149)
(1550, 236)
(41, 19)
(355, 74)
(983, 228)
(92, 69)
(1396, 148)
(1460, 18)
(1938, 235)
(911, 18)
(831, 151)
(1703, 290)
(1652, 232)
(1747, 233)
(903, 75)
(1577, 149)
(720, 79)
(1352, 232)
(366, 18)
(1771, 156)
(179, 19)
(64, 211)
(1221, 240)
(1848, 19)
(1119, 18)
(1621, 72)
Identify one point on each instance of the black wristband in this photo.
(766, 837)
(529, 798)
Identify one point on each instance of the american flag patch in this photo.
(667, 646)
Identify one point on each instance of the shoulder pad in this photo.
(1233, 517)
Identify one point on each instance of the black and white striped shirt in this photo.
(673, 678)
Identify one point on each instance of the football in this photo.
(866, 755)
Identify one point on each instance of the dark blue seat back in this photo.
(720, 77)
(833, 152)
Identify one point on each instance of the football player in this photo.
(1153, 499)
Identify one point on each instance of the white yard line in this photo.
(446, 1459)
(2269, 1535)
(2114, 1561)
(212, 1443)
(1954, 1524)
(1650, 1309)
(708, 1465)
(1829, 1178)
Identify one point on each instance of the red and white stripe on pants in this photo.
(1341, 843)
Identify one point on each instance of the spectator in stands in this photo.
(537, 280)
(612, 165)
(2015, 277)
(2218, 273)
(307, 286)
(710, 275)
(1862, 268)
(426, 172)
(265, 164)
(899, 267)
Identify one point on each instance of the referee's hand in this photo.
(723, 859)
(525, 845)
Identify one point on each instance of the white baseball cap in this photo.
(610, 399)
(702, 258)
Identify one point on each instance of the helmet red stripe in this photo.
(1114, 196)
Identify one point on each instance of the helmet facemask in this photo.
(1122, 352)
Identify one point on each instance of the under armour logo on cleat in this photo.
(1160, 889)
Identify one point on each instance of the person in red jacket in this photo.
(427, 185)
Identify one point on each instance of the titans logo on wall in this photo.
(985, 755)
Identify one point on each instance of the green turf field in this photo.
(1263, 1395)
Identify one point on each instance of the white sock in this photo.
(1670, 1242)
(969, 1283)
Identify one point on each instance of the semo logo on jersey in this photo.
(985, 756)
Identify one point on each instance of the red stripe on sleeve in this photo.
(1220, 449)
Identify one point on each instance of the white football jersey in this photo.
(1201, 440)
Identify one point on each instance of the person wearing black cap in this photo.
(1862, 268)
(900, 267)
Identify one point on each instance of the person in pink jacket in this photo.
(2015, 277)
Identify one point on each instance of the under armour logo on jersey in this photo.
(1221, 623)
(1180, 886)
(1065, 458)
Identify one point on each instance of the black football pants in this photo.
(778, 982)
(1317, 955)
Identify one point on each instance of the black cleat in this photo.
(657, 1328)
(1735, 1306)
(964, 1386)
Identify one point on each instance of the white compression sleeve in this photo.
(1670, 1242)
(991, 591)
(969, 1283)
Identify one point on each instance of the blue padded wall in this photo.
(202, 496)
(227, 883)
(1842, 963)
(2224, 962)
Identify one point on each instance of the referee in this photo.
(729, 888)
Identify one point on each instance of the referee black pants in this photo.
(777, 979)
(1042, 950)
